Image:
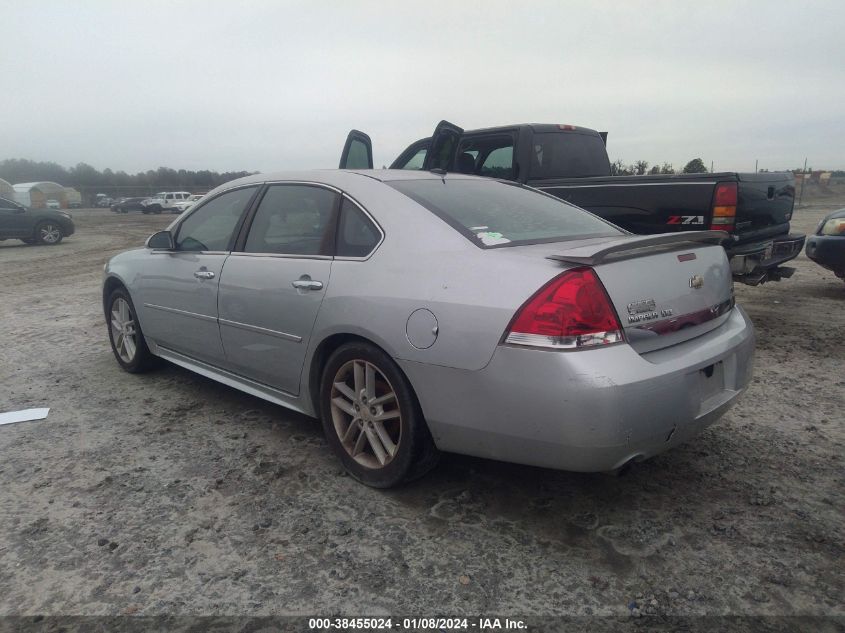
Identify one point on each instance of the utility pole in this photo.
(803, 180)
(755, 165)
(711, 166)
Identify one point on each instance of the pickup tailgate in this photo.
(764, 205)
(666, 289)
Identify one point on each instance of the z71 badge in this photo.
(686, 219)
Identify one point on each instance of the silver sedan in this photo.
(417, 312)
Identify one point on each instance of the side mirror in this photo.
(161, 241)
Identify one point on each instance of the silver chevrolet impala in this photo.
(418, 312)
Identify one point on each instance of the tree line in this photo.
(86, 178)
(640, 168)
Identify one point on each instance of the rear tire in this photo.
(372, 419)
(125, 334)
(48, 233)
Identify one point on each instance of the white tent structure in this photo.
(6, 190)
(36, 194)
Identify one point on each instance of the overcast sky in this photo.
(275, 85)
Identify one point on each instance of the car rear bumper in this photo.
(590, 410)
(828, 251)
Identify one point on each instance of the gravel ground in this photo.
(170, 494)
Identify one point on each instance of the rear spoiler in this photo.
(598, 253)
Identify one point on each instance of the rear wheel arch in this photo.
(323, 352)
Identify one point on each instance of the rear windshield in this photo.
(492, 213)
(568, 155)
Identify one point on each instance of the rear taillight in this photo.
(571, 311)
(724, 206)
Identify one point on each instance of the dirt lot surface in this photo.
(169, 493)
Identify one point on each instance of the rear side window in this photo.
(293, 220)
(416, 161)
(357, 235)
(494, 213)
(568, 155)
(212, 226)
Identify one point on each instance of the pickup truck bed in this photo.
(571, 163)
(760, 237)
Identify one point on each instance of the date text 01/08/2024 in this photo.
(417, 624)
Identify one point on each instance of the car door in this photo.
(176, 294)
(274, 283)
(357, 151)
(444, 145)
(14, 220)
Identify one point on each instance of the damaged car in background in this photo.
(415, 312)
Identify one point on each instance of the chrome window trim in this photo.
(201, 317)
(162, 251)
(260, 330)
(279, 255)
(375, 223)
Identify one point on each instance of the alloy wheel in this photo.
(123, 330)
(365, 413)
(50, 233)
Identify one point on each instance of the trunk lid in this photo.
(666, 289)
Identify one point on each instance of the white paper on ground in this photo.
(23, 416)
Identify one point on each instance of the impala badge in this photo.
(696, 281)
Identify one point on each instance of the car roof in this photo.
(341, 177)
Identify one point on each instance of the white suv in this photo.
(165, 201)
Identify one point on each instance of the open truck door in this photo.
(443, 147)
(357, 151)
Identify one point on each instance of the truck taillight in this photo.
(724, 206)
(571, 311)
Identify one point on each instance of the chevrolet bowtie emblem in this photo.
(696, 281)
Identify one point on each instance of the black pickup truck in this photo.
(571, 163)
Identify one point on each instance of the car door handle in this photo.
(204, 274)
(307, 284)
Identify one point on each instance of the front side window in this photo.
(293, 220)
(212, 226)
(495, 213)
(357, 235)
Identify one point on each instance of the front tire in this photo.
(125, 334)
(372, 419)
(48, 233)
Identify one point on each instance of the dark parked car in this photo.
(129, 204)
(827, 246)
(33, 226)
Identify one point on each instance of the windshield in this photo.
(493, 213)
(568, 155)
